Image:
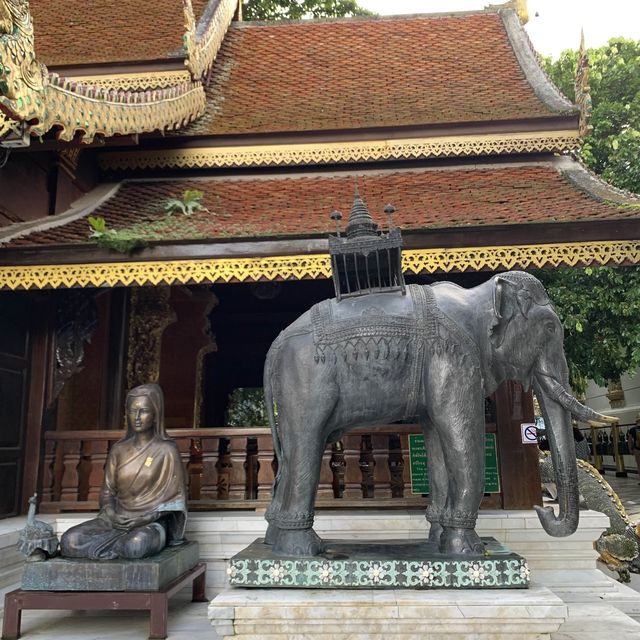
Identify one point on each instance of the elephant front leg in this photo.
(458, 417)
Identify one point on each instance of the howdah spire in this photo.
(367, 260)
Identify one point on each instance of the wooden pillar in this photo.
(112, 405)
(39, 378)
(518, 462)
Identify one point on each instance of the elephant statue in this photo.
(433, 354)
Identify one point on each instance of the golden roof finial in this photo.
(582, 89)
(520, 7)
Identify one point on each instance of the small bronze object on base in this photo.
(143, 500)
(37, 541)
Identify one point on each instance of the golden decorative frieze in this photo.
(136, 81)
(202, 42)
(313, 266)
(339, 152)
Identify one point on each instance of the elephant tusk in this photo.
(577, 409)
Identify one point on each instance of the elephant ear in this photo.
(509, 298)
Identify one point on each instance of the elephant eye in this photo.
(550, 327)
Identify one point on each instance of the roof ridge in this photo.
(83, 206)
(592, 184)
(365, 18)
(527, 58)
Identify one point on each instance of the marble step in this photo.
(528, 614)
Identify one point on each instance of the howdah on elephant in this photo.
(433, 355)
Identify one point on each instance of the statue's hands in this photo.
(124, 522)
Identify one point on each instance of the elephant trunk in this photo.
(557, 418)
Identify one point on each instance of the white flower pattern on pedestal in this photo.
(425, 574)
(376, 572)
(232, 572)
(326, 572)
(525, 572)
(277, 572)
(476, 572)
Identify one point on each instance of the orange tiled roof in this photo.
(289, 206)
(101, 31)
(359, 73)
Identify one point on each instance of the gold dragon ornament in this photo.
(22, 78)
(36, 101)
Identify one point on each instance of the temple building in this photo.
(168, 172)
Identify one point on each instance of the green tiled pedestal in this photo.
(394, 564)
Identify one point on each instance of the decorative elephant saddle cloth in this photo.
(386, 336)
(383, 326)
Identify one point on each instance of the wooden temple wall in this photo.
(74, 415)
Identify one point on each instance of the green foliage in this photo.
(247, 408)
(138, 235)
(299, 9)
(612, 148)
(191, 201)
(121, 240)
(599, 309)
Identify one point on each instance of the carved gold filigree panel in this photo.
(136, 81)
(313, 266)
(149, 316)
(332, 152)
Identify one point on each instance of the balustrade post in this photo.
(338, 466)
(367, 465)
(266, 472)
(617, 454)
(224, 467)
(70, 477)
(194, 469)
(597, 455)
(98, 460)
(251, 470)
(209, 469)
(396, 466)
(48, 478)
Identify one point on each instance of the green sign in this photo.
(418, 464)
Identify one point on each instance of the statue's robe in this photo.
(138, 482)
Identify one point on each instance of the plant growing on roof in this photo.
(191, 201)
(122, 240)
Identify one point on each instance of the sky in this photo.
(554, 25)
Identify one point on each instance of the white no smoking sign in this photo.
(529, 433)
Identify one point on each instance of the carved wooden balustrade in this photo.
(233, 468)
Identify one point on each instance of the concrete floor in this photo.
(589, 618)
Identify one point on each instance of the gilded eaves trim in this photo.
(339, 152)
(314, 266)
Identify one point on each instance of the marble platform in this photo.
(380, 564)
(392, 614)
(146, 574)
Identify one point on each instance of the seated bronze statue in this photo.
(143, 499)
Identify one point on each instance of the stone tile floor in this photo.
(188, 621)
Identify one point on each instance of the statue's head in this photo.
(145, 410)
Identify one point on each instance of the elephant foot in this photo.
(435, 531)
(271, 534)
(460, 541)
(297, 542)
